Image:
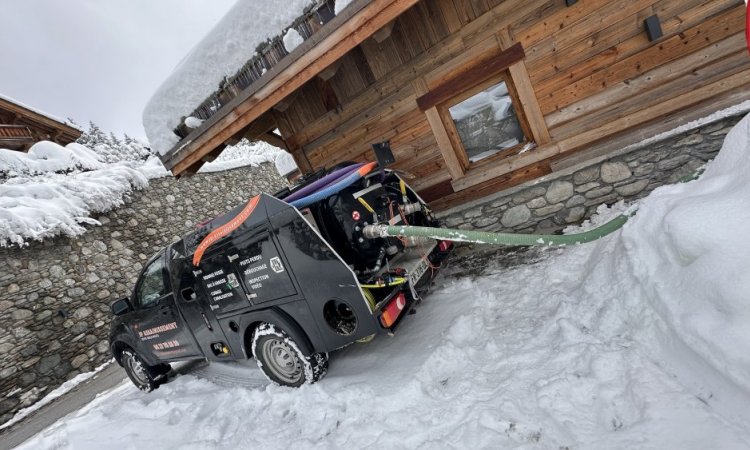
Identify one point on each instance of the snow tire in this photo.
(281, 360)
(144, 377)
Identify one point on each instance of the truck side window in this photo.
(152, 287)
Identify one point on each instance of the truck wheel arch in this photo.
(280, 320)
(117, 348)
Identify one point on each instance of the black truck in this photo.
(284, 279)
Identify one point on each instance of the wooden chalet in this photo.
(21, 127)
(565, 80)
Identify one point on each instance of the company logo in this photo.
(276, 265)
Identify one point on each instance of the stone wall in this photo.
(55, 296)
(549, 204)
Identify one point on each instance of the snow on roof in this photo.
(39, 111)
(223, 52)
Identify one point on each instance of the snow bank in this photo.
(39, 207)
(226, 48)
(245, 153)
(691, 253)
(45, 156)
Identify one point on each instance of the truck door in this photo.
(157, 322)
(198, 314)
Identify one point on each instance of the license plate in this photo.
(418, 271)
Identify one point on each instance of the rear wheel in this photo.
(282, 361)
(144, 377)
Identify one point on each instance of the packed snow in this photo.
(292, 39)
(193, 122)
(223, 52)
(53, 190)
(640, 340)
(45, 156)
(245, 153)
(43, 206)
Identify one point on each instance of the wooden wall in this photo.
(593, 70)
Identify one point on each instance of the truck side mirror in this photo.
(121, 306)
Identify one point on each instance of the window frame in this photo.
(450, 125)
(479, 72)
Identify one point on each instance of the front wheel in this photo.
(281, 360)
(144, 377)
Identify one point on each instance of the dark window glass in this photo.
(152, 288)
(487, 122)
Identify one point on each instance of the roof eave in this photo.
(357, 22)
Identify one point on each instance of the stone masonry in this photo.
(55, 295)
(549, 204)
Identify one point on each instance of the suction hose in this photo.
(484, 237)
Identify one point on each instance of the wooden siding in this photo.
(590, 66)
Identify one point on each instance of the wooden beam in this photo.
(302, 162)
(286, 102)
(383, 33)
(274, 140)
(454, 165)
(529, 103)
(371, 17)
(471, 78)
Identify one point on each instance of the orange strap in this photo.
(224, 229)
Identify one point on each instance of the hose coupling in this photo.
(375, 231)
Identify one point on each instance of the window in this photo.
(482, 110)
(487, 122)
(152, 286)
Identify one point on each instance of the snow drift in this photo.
(224, 50)
(690, 252)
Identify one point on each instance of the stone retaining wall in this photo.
(55, 296)
(551, 203)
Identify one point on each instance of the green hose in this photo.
(484, 237)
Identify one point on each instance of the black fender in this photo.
(277, 317)
(121, 337)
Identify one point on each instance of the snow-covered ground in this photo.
(640, 340)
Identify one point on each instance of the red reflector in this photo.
(445, 246)
(355, 215)
(393, 310)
